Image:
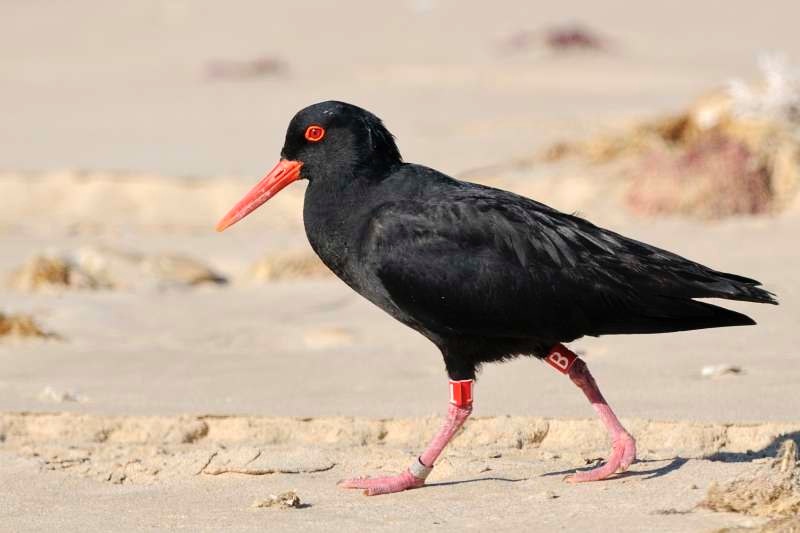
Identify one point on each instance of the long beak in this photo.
(284, 173)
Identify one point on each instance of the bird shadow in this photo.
(770, 450)
(475, 480)
(673, 465)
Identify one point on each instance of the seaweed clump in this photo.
(734, 151)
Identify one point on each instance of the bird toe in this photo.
(374, 486)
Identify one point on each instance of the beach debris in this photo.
(188, 431)
(288, 266)
(671, 511)
(717, 371)
(16, 325)
(45, 270)
(714, 177)
(118, 269)
(773, 491)
(179, 270)
(93, 267)
(48, 271)
(52, 395)
(733, 151)
(284, 500)
(257, 67)
(566, 37)
(573, 36)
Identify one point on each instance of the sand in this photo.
(188, 379)
(213, 470)
(225, 471)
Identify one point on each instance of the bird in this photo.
(485, 274)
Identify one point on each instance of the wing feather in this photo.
(503, 265)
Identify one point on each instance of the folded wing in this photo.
(506, 266)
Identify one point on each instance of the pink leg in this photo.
(623, 452)
(414, 477)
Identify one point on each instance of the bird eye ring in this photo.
(315, 133)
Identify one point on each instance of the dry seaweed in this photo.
(106, 268)
(21, 326)
(774, 491)
(44, 271)
(713, 177)
(734, 151)
(285, 500)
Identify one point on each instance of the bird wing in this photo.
(483, 261)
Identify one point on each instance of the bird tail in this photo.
(734, 287)
(666, 314)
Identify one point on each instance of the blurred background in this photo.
(139, 348)
(203, 88)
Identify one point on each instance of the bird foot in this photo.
(383, 485)
(622, 456)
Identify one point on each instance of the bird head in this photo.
(325, 141)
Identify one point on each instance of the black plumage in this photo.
(485, 274)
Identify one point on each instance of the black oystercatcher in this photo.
(485, 274)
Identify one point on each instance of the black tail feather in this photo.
(744, 289)
(664, 315)
(725, 289)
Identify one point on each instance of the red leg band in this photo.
(461, 393)
(561, 358)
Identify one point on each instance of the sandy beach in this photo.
(157, 375)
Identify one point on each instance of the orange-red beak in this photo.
(279, 177)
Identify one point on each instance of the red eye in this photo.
(315, 133)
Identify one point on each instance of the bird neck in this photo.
(337, 192)
(330, 215)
